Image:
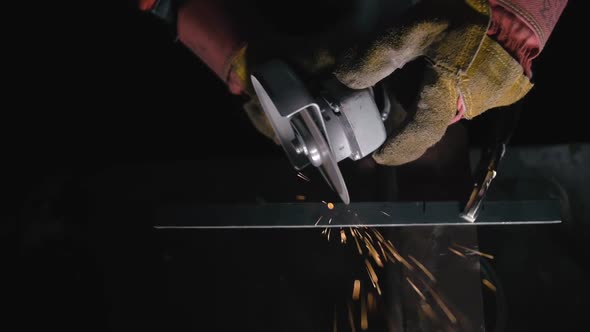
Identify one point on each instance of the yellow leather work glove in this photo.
(465, 67)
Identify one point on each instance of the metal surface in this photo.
(386, 214)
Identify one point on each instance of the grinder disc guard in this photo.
(297, 121)
(339, 123)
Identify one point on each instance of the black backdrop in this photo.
(95, 85)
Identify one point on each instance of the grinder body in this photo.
(321, 127)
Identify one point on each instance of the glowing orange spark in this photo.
(423, 268)
(330, 205)
(356, 289)
(443, 306)
(351, 318)
(371, 302)
(358, 246)
(342, 236)
(390, 257)
(416, 289)
(474, 251)
(372, 274)
(364, 320)
(373, 253)
(428, 310)
(378, 235)
(489, 285)
(300, 197)
(397, 256)
(382, 251)
(456, 252)
(369, 236)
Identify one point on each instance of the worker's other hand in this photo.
(468, 71)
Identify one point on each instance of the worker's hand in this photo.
(478, 54)
(473, 65)
(468, 71)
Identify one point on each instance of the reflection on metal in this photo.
(385, 214)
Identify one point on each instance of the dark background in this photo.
(99, 93)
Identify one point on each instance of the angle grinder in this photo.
(324, 125)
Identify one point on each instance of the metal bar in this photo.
(385, 214)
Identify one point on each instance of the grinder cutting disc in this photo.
(297, 122)
(329, 167)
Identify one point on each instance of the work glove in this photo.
(478, 56)
(468, 71)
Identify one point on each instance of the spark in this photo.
(356, 289)
(372, 273)
(373, 276)
(330, 206)
(302, 176)
(443, 306)
(489, 285)
(474, 251)
(428, 310)
(364, 320)
(317, 222)
(385, 213)
(350, 318)
(369, 236)
(397, 256)
(382, 251)
(390, 257)
(329, 234)
(371, 302)
(456, 252)
(373, 252)
(324, 231)
(342, 236)
(423, 268)
(358, 246)
(416, 289)
(330, 221)
(378, 235)
(300, 197)
(324, 202)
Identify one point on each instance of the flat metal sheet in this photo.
(384, 214)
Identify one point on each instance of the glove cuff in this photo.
(494, 79)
